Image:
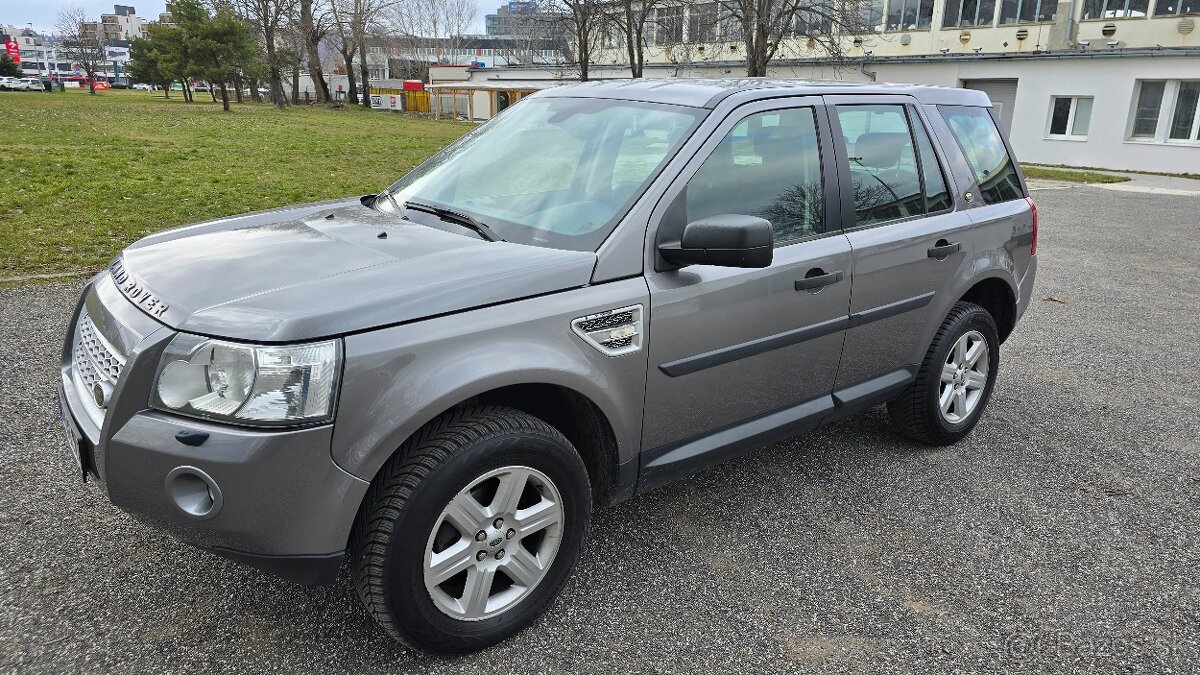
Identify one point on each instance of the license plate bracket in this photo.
(73, 440)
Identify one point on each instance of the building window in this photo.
(702, 22)
(909, 14)
(730, 26)
(1116, 9)
(669, 21)
(1070, 116)
(969, 13)
(1145, 115)
(1170, 7)
(875, 13)
(810, 23)
(1185, 123)
(1027, 11)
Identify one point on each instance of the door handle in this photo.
(813, 281)
(942, 249)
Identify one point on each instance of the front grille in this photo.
(94, 361)
(101, 358)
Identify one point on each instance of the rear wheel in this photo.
(955, 380)
(469, 533)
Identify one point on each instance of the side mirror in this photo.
(726, 240)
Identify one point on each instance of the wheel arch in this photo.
(996, 295)
(577, 416)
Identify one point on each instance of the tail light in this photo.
(1033, 212)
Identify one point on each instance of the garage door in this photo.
(1003, 94)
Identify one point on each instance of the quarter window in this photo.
(1070, 116)
(889, 181)
(984, 149)
(769, 166)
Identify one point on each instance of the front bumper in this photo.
(273, 499)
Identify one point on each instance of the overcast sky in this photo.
(42, 13)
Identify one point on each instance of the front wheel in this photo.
(955, 380)
(470, 532)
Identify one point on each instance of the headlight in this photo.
(248, 384)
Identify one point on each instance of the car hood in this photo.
(325, 269)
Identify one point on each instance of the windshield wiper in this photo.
(455, 217)
(390, 198)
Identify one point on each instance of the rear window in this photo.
(980, 141)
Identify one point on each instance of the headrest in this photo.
(781, 142)
(880, 150)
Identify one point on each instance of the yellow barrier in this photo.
(386, 98)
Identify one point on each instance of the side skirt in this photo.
(671, 462)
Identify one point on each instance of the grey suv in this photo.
(605, 288)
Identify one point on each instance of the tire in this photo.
(919, 413)
(411, 519)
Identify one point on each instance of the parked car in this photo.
(30, 84)
(143, 86)
(8, 82)
(607, 288)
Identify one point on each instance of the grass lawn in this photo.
(1072, 175)
(84, 176)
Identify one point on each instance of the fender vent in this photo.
(615, 332)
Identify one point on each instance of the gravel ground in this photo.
(1062, 536)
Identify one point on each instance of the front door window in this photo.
(769, 166)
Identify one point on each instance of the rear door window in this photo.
(980, 141)
(892, 177)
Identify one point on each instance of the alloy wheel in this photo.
(964, 377)
(493, 543)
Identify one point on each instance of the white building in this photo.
(122, 25)
(1091, 83)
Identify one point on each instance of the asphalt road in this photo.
(1063, 535)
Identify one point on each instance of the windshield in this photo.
(554, 172)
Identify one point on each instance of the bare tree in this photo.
(356, 21)
(79, 41)
(268, 17)
(634, 21)
(293, 52)
(442, 24)
(343, 41)
(313, 28)
(767, 26)
(530, 28)
(585, 21)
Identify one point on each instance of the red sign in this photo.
(13, 50)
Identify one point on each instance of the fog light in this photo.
(194, 492)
